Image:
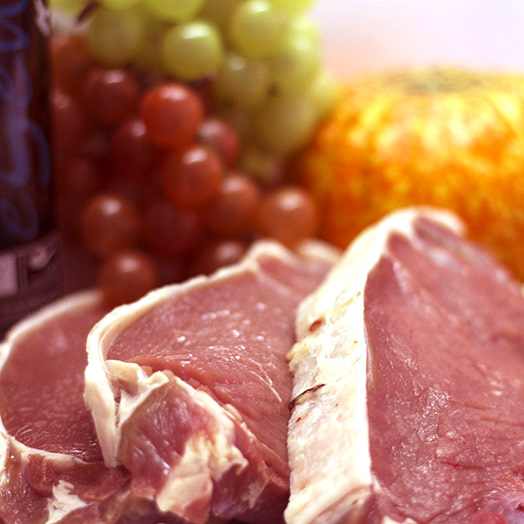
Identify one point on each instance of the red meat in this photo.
(190, 387)
(52, 468)
(412, 358)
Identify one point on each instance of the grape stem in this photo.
(91, 6)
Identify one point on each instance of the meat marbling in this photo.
(408, 398)
(189, 387)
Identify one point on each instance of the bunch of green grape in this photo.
(261, 58)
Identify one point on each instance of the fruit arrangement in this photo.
(446, 138)
(173, 123)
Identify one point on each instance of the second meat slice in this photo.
(189, 387)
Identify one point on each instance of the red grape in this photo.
(288, 214)
(222, 139)
(69, 121)
(169, 231)
(95, 145)
(172, 114)
(132, 153)
(140, 192)
(126, 276)
(71, 60)
(231, 211)
(218, 254)
(79, 178)
(110, 222)
(192, 177)
(110, 95)
(170, 269)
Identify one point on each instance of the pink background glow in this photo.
(366, 36)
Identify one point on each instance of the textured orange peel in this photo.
(446, 138)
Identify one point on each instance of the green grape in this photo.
(192, 51)
(178, 11)
(266, 168)
(70, 6)
(304, 27)
(292, 7)
(295, 65)
(115, 36)
(284, 124)
(256, 29)
(118, 4)
(242, 82)
(323, 93)
(149, 58)
(219, 12)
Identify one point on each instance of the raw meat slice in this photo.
(190, 387)
(51, 467)
(408, 398)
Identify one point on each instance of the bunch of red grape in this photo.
(148, 179)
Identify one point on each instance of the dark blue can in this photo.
(30, 273)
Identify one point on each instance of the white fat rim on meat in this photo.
(389, 520)
(192, 474)
(102, 379)
(62, 502)
(328, 438)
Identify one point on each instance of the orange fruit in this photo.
(446, 138)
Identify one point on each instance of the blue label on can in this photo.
(25, 161)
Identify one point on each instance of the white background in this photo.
(365, 36)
